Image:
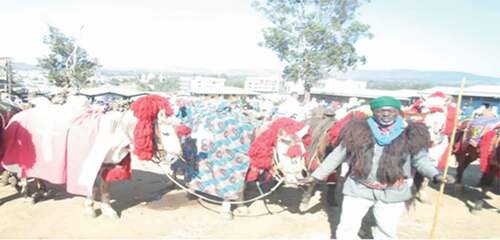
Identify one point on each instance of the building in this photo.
(199, 83)
(472, 96)
(110, 92)
(206, 83)
(344, 94)
(334, 84)
(264, 84)
(224, 92)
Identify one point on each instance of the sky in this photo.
(449, 35)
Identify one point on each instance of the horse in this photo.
(92, 144)
(6, 113)
(486, 147)
(321, 122)
(230, 147)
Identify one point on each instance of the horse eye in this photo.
(165, 134)
(286, 141)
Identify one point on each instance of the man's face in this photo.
(385, 116)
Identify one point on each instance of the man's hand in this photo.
(439, 178)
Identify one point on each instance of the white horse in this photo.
(110, 139)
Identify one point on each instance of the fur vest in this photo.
(359, 142)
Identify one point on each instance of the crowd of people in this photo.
(381, 150)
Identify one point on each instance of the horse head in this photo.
(290, 152)
(154, 131)
(166, 136)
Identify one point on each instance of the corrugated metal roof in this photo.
(368, 93)
(98, 91)
(473, 91)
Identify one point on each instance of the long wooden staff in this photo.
(450, 149)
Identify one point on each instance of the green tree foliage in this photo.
(169, 84)
(313, 37)
(67, 64)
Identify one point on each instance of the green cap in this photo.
(385, 101)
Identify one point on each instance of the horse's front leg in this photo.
(241, 208)
(306, 197)
(464, 158)
(88, 209)
(106, 208)
(227, 206)
(41, 191)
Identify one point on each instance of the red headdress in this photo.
(146, 109)
(261, 149)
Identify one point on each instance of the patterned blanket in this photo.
(222, 140)
(478, 127)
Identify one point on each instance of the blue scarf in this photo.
(385, 138)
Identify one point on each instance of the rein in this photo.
(158, 159)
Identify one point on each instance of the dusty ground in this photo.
(147, 213)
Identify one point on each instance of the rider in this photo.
(381, 151)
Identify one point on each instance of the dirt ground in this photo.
(147, 212)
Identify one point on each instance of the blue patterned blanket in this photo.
(219, 161)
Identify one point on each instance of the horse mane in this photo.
(320, 140)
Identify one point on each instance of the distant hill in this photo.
(400, 77)
(446, 78)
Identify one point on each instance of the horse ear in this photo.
(162, 116)
(302, 132)
(281, 132)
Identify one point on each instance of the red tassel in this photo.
(294, 151)
(261, 149)
(182, 130)
(146, 109)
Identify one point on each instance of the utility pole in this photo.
(6, 65)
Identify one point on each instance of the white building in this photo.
(200, 83)
(264, 84)
(334, 84)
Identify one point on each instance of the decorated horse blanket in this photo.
(61, 145)
(222, 141)
(478, 127)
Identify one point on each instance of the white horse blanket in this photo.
(63, 145)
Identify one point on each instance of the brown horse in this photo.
(489, 153)
(323, 127)
(466, 153)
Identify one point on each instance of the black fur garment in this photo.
(359, 142)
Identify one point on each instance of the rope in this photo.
(167, 172)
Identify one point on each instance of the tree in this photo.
(313, 37)
(67, 64)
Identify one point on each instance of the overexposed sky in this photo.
(458, 35)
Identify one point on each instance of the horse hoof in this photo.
(475, 211)
(4, 180)
(109, 212)
(227, 215)
(90, 212)
(13, 181)
(478, 206)
(304, 207)
(244, 210)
